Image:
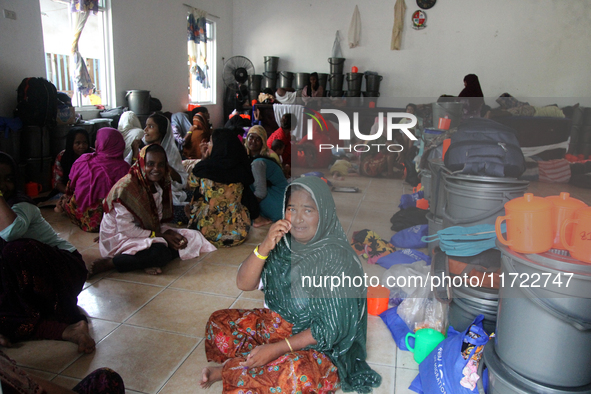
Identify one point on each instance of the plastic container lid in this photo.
(434, 131)
(529, 203)
(565, 201)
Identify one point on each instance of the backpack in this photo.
(36, 102)
(485, 147)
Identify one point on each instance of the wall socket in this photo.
(9, 14)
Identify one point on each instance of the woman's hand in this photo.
(276, 232)
(204, 148)
(264, 354)
(135, 148)
(257, 114)
(175, 240)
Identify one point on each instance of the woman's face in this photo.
(80, 144)
(313, 81)
(7, 181)
(303, 215)
(255, 143)
(155, 166)
(151, 132)
(410, 110)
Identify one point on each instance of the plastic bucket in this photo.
(544, 333)
(301, 80)
(472, 200)
(336, 93)
(138, 101)
(336, 81)
(285, 79)
(467, 303)
(336, 64)
(437, 202)
(354, 81)
(353, 93)
(269, 80)
(271, 63)
(435, 224)
(452, 110)
(426, 182)
(254, 82)
(504, 380)
(444, 123)
(322, 80)
(377, 299)
(371, 94)
(372, 82)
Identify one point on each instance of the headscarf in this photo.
(182, 122)
(265, 151)
(337, 318)
(473, 92)
(18, 195)
(133, 192)
(131, 130)
(228, 161)
(69, 157)
(176, 162)
(94, 174)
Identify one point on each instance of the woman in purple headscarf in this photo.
(92, 177)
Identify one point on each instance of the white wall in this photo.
(21, 48)
(150, 49)
(530, 48)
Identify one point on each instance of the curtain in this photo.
(197, 46)
(80, 75)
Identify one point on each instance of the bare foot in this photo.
(261, 221)
(58, 208)
(210, 375)
(187, 210)
(153, 271)
(5, 341)
(78, 333)
(100, 265)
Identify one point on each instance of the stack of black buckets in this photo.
(336, 76)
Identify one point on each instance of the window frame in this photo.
(211, 32)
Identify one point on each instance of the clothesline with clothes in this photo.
(212, 15)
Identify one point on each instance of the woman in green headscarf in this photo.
(312, 337)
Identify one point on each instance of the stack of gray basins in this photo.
(543, 331)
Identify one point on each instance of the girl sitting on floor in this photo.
(133, 234)
(92, 177)
(310, 339)
(41, 275)
(77, 144)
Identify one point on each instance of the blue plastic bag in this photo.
(404, 256)
(397, 327)
(411, 237)
(410, 200)
(444, 370)
(466, 241)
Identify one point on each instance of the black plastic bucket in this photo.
(336, 64)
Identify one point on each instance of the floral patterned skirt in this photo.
(233, 333)
(89, 220)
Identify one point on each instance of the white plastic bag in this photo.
(422, 310)
(401, 279)
(355, 28)
(336, 47)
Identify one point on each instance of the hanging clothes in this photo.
(82, 80)
(355, 28)
(197, 46)
(399, 10)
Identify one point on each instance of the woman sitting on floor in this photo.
(92, 177)
(77, 144)
(133, 234)
(41, 274)
(130, 128)
(159, 131)
(223, 205)
(311, 339)
(269, 183)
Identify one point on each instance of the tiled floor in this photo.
(150, 328)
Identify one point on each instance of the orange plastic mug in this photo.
(529, 224)
(580, 248)
(33, 189)
(377, 300)
(564, 207)
(444, 123)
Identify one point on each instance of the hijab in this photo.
(93, 174)
(265, 151)
(472, 88)
(69, 157)
(18, 195)
(337, 318)
(228, 161)
(133, 192)
(131, 130)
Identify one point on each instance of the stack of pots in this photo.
(336, 76)
(270, 75)
(254, 86)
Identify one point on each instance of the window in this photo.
(198, 91)
(58, 34)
